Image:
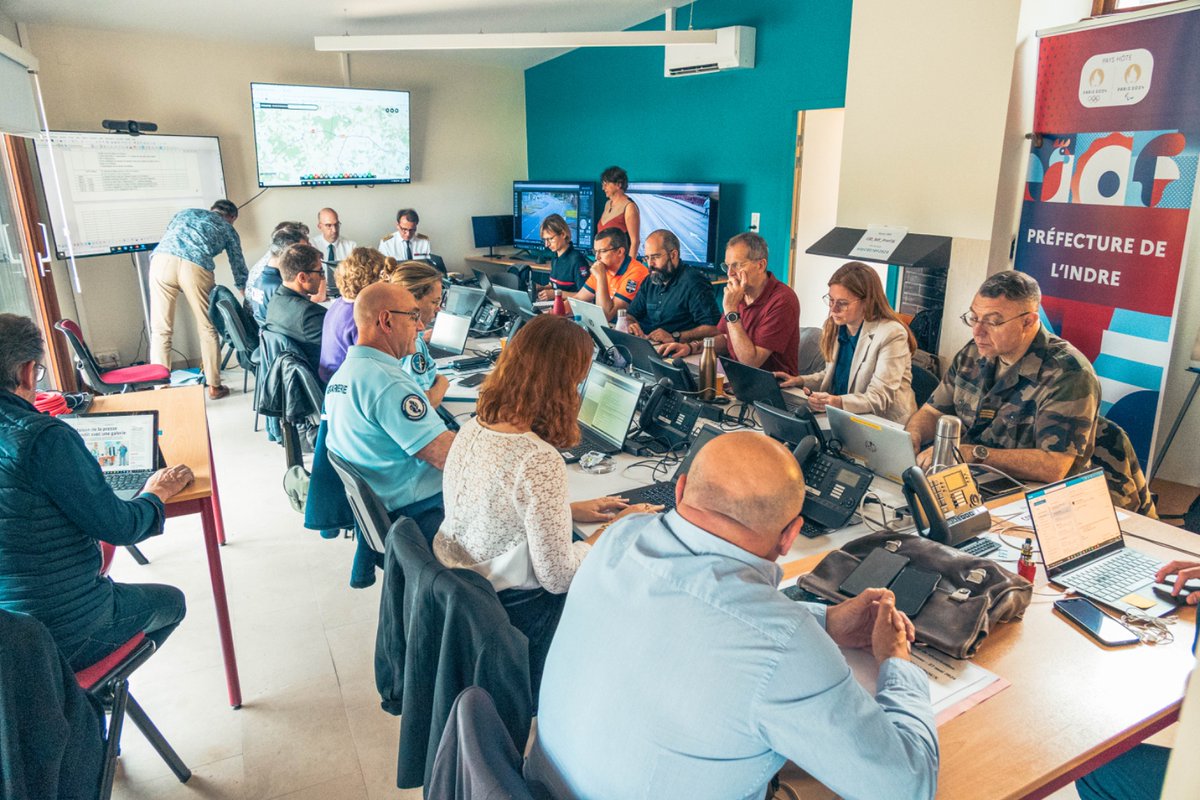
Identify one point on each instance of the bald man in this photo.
(702, 678)
(333, 246)
(379, 419)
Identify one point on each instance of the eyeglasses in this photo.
(602, 250)
(313, 271)
(971, 319)
(414, 315)
(41, 372)
(656, 257)
(410, 229)
(728, 265)
(548, 239)
(838, 305)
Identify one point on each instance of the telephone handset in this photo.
(833, 486)
(946, 505)
(668, 415)
(486, 317)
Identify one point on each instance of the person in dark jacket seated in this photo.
(55, 506)
(265, 282)
(291, 313)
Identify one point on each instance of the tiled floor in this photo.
(311, 726)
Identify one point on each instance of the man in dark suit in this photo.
(291, 313)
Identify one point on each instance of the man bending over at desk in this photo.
(761, 326)
(55, 506)
(1028, 400)
(380, 420)
(702, 678)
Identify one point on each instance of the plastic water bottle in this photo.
(622, 321)
(708, 370)
(560, 305)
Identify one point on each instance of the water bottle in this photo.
(708, 370)
(560, 305)
(945, 443)
(622, 321)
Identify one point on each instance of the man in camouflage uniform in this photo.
(1028, 400)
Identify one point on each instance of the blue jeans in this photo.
(151, 608)
(1136, 775)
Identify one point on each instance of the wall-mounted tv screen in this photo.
(329, 136)
(533, 201)
(688, 210)
(118, 192)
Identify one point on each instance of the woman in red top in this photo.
(620, 211)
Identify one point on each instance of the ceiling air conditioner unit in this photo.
(734, 50)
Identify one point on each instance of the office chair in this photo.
(369, 511)
(113, 381)
(923, 384)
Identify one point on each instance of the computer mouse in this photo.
(1164, 590)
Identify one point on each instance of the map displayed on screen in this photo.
(326, 136)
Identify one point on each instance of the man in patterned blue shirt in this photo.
(183, 262)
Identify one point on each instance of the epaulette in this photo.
(389, 236)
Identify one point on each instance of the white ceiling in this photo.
(295, 22)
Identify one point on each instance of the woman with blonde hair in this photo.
(505, 484)
(356, 272)
(867, 349)
(425, 284)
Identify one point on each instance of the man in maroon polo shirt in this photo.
(761, 322)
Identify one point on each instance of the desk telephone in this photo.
(946, 505)
(669, 415)
(833, 486)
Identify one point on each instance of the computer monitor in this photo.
(533, 201)
(688, 210)
(493, 231)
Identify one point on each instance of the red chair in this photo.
(113, 381)
(108, 682)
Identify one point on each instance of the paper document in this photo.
(954, 685)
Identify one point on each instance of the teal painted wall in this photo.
(595, 107)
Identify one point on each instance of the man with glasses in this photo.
(405, 244)
(761, 326)
(55, 506)
(263, 284)
(616, 277)
(379, 419)
(333, 246)
(569, 268)
(677, 304)
(291, 313)
(1028, 400)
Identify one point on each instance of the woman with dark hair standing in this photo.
(505, 484)
(868, 351)
(620, 211)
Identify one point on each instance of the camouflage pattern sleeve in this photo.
(1065, 420)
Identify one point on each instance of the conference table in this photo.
(184, 439)
(1072, 703)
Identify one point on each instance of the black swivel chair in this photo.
(923, 384)
(369, 511)
(224, 308)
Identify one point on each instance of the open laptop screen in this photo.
(1073, 518)
(609, 401)
(450, 332)
(464, 301)
(119, 442)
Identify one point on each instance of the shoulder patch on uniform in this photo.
(413, 407)
(419, 363)
(631, 286)
(389, 236)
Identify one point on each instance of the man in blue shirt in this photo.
(677, 304)
(55, 506)
(183, 262)
(263, 283)
(378, 417)
(702, 678)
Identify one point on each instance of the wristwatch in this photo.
(979, 453)
(732, 317)
(675, 336)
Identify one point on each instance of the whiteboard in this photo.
(118, 192)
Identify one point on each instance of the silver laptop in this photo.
(592, 318)
(124, 444)
(449, 336)
(884, 448)
(1083, 549)
(610, 400)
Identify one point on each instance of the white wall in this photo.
(468, 142)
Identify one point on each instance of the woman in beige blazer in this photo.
(867, 350)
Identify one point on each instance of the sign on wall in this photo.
(1107, 197)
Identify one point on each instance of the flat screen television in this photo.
(492, 231)
(116, 193)
(330, 136)
(533, 201)
(688, 210)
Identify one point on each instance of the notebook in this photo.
(885, 448)
(463, 301)
(610, 400)
(750, 384)
(124, 444)
(1083, 548)
(449, 336)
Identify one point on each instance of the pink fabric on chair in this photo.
(88, 676)
(138, 374)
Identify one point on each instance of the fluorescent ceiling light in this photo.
(512, 41)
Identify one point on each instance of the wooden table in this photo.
(183, 422)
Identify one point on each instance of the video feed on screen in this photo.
(688, 210)
(534, 201)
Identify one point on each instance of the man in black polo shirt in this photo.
(291, 313)
(677, 304)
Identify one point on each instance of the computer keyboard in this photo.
(979, 547)
(1114, 577)
(587, 443)
(127, 480)
(658, 494)
(812, 530)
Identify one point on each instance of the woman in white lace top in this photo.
(505, 484)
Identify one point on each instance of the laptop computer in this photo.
(463, 301)
(641, 352)
(884, 447)
(1083, 548)
(124, 444)
(512, 300)
(750, 384)
(592, 318)
(663, 492)
(449, 336)
(610, 400)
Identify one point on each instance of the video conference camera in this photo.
(130, 126)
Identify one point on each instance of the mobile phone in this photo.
(912, 588)
(876, 571)
(1095, 623)
(1165, 588)
(473, 380)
